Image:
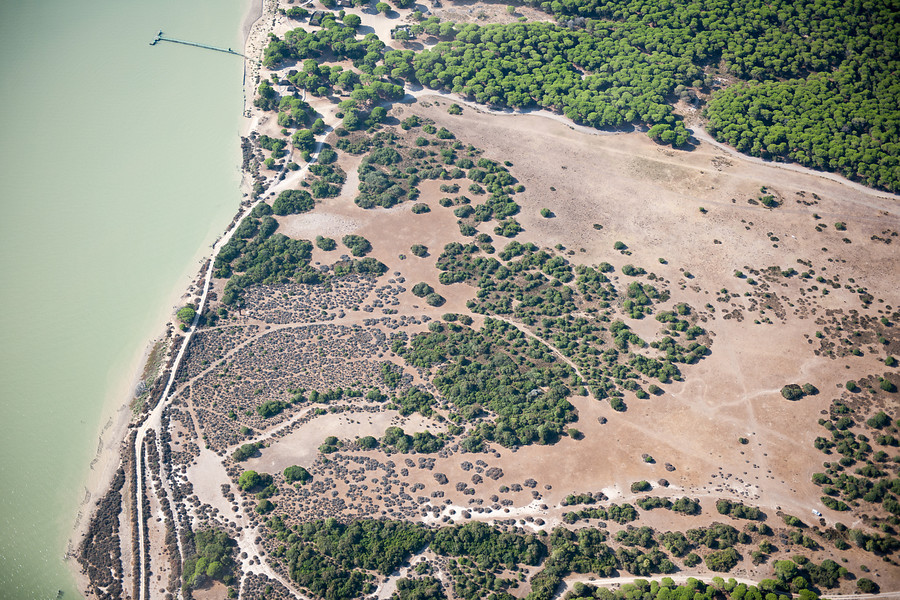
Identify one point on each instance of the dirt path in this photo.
(617, 581)
(154, 419)
(701, 134)
(417, 92)
(553, 348)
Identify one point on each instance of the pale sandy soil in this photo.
(300, 447)
(644, 195)
(648, 197)
(214, 591)
(207, 474)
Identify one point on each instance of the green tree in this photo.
(792, 391)
(186, 314)
(245, 452)
(358, 245)
(325, 243)
(422, 289)
(867, 586)
(304, 140)
(296, 473)
(248, 480)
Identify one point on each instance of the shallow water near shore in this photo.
(120, 168)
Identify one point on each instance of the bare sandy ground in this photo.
(300, 447)
(650, 198)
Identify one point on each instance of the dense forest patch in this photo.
(824, 75)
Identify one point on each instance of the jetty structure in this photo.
(160, 38)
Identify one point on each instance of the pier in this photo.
(160, 38)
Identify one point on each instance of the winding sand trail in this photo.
(416, 92)
(154, 419)
(680, 579)
(701, 134)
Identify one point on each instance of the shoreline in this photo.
(117, 415)
(110, 450)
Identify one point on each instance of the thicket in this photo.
(801, 573)
(425, 588)
(717, 536)
(211, 559)
(489, 547)
(543, 290)
(861, 470)
(584, 551)
(330, 558)
(683, 505)
(318, 551)
(256, 254)
(738, 510)
(291, 202)
(495, 369)
(825, 74)
(423, 442)
(693, 589)
(614, 512)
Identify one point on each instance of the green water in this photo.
(119, 168)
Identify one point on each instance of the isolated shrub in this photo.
(325, 243)
(357, 244)
(435, 299)
(640, 486)
(296, 473)
(792, 391)
(422, 289)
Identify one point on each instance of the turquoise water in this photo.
(120, 167)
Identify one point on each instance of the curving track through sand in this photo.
(153, 421)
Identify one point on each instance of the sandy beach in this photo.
(118, 414)
(291, 336)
